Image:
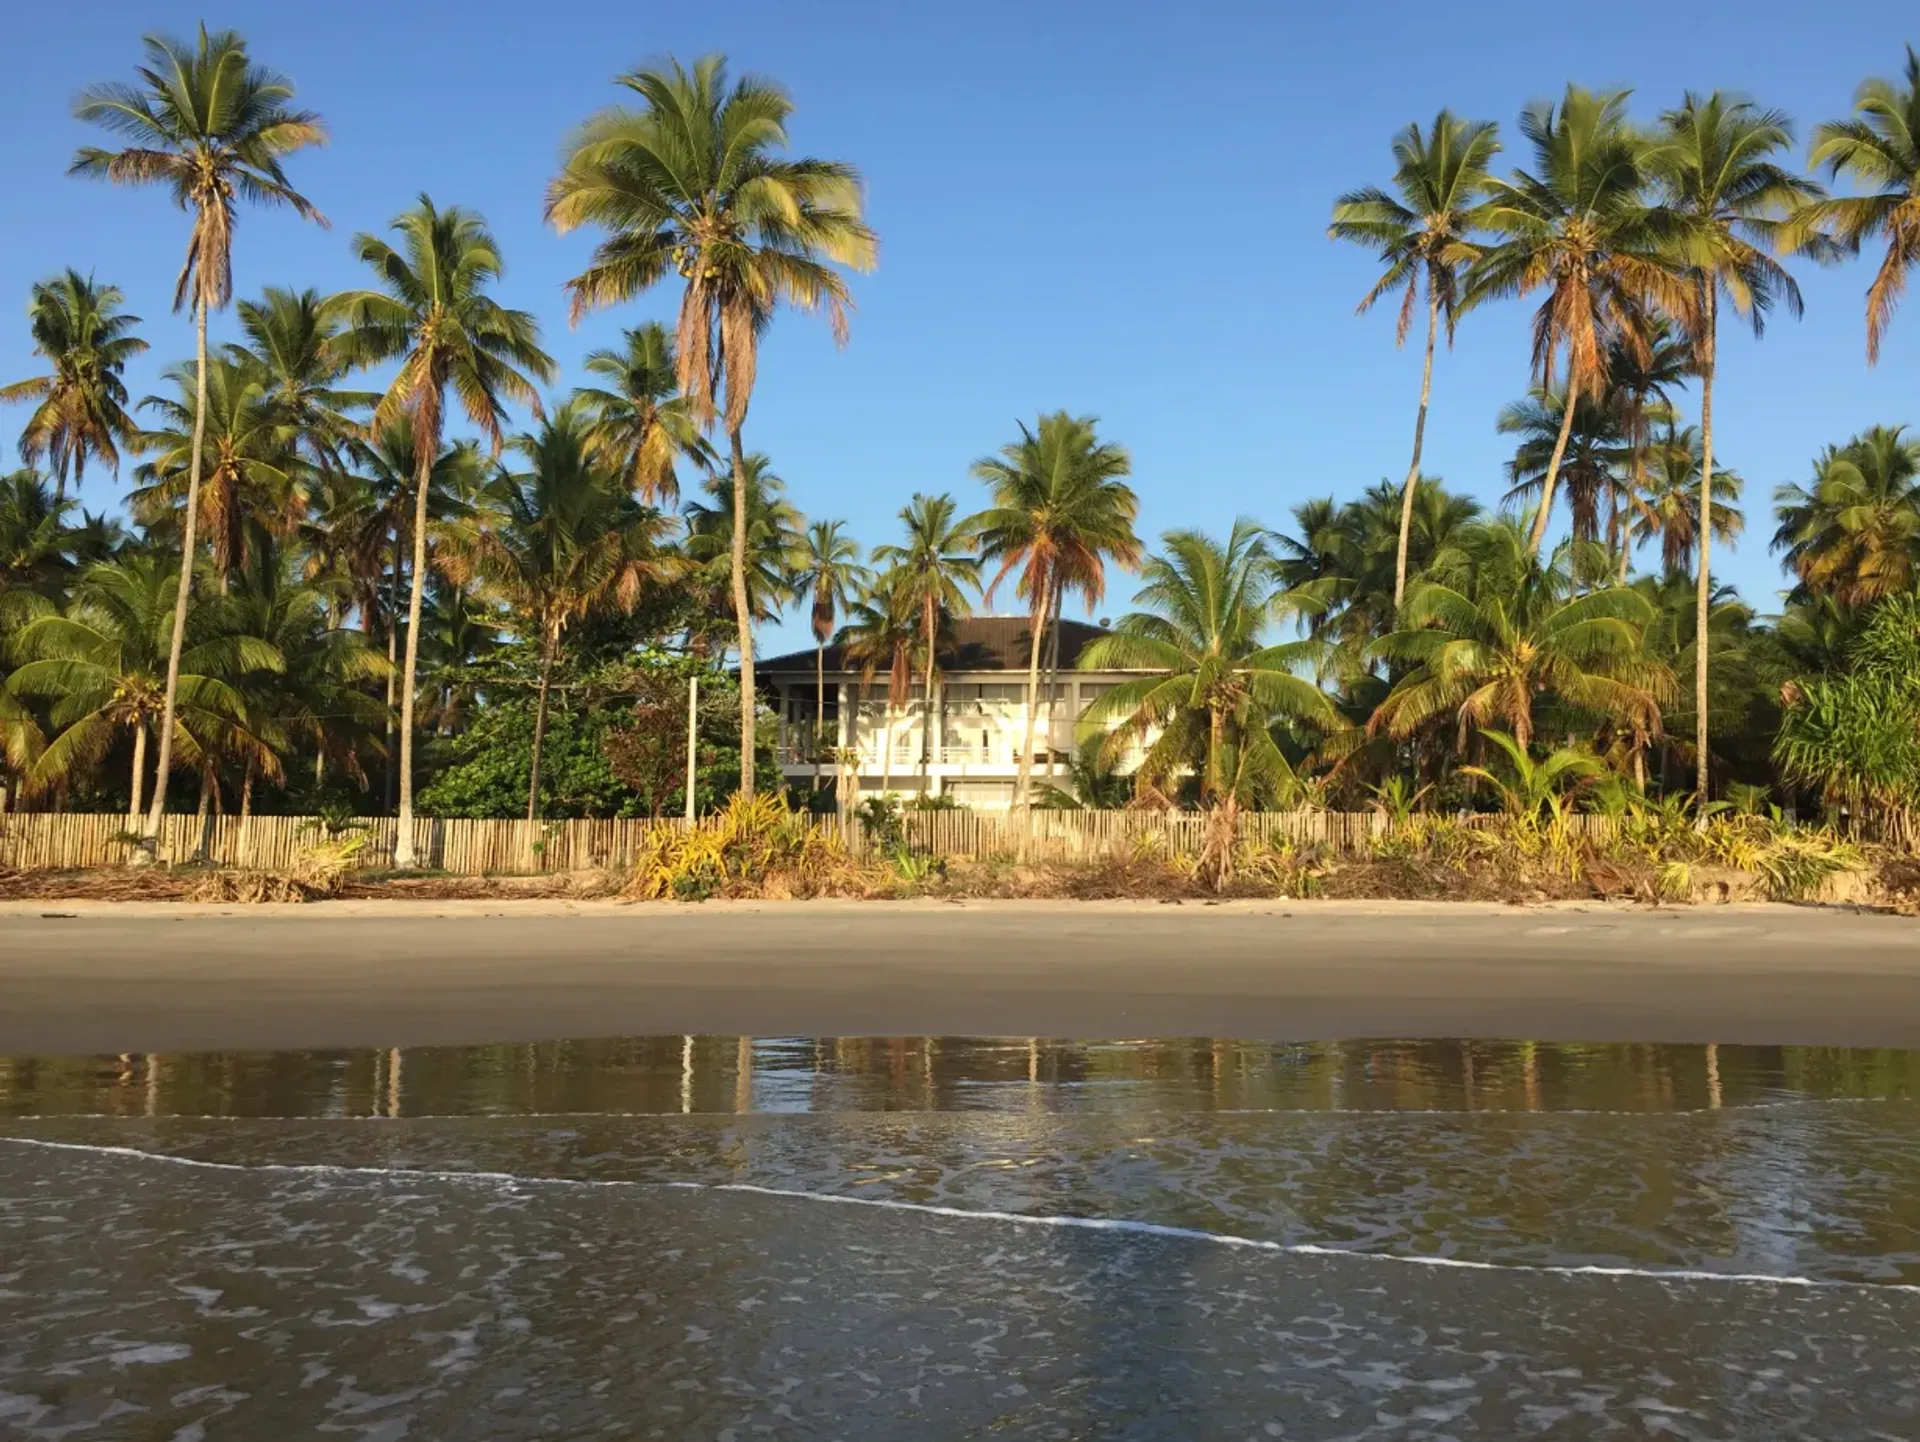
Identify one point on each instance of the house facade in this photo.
(971, 749)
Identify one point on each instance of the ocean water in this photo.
(721, 1237)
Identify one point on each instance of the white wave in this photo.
(1025, 1219)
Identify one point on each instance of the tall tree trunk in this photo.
(819, 705)
(1216, 733)
(1626, 524)
(1703, 586)
(1023, 788)
(743, 615)
(929, 629)
(202, 808)
(403, 851)
(1052, 682)
(393, 675)
(139, 780)
(886, 742)
(187, 540)
(1419, 439)
(550, 644)
(1553, 469)
(246, 791)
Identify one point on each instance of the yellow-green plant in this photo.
(1797, 864)
(751, 845)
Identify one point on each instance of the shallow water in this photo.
(932, 1238)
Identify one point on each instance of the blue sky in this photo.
(1118, 209)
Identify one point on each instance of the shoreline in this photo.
(103, 977)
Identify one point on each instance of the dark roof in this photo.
(978, 643)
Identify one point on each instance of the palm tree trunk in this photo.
(1626, 521)
(1703, 585)
(1053, 675)
(403, 852)
(187, 540)
(886, 741)
(246, 791)
(743, 616)
(393, 672)
(819, 705)
(1216, 730)
(927, 629)
(1419, 439)
(202, 808)
(1553, 469)
(1023, 788)
(139, 772)
(540, 722)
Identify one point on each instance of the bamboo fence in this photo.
(35, 841)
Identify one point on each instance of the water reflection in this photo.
(661, 1236)
(735, 1075)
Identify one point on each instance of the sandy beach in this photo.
(138, 977)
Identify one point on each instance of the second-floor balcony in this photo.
(991, 753)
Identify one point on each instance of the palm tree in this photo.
(775, 533)
(79, 329)
(1640, 390)
(1578, 230)
(250, 480)
(692, 183)
(938, 565)
(34, 540)
(290, 342)
(641, 422)
(1729, 197)
(459, 629)
(360, 530)
(882, 633)
(1423, 235)
(317, 697)
(104, 665)
(1060, 512)
(1668, 506)
(1531, 786)
(1594, 456)
(1854, 533)
(828, 571)
(1880, 150)
(1215, 690)
(1500, 628)
(1338, 569)
(1672, 640)
(213, 128)
(21, 739)
(556, 543)
(433, 315)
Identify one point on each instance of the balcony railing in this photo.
(995, 751)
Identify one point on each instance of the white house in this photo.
(979, 720)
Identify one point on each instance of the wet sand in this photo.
(96, 978)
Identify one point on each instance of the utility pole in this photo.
(693, 740)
